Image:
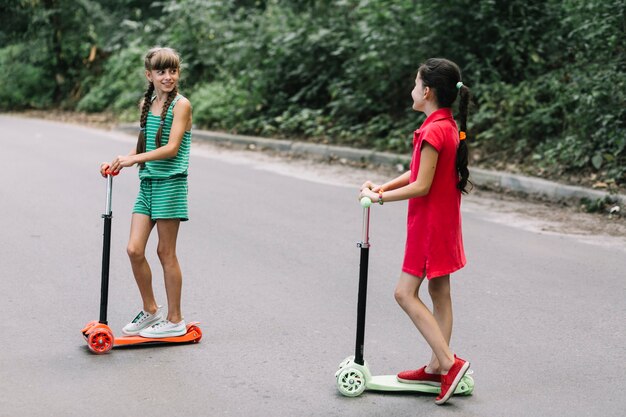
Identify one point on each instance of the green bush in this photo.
(224, 106)
(120, 86)
(24, 83)
(547, 75)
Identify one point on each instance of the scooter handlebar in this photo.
(366, 202)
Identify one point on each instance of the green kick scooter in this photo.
(354, 376)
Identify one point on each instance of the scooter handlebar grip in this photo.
(366, 202)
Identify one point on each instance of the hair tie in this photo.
(162, 122)
(142, 129)
(459, 85)
(462, 135)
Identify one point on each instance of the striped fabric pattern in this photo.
(163, 198)
(165, 168)
(163, 189)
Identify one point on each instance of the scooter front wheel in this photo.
(351, 382)
(101, 341)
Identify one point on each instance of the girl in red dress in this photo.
(434, 243)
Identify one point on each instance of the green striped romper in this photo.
(163, 188)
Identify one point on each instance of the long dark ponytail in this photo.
(444, 77)
(462, 151)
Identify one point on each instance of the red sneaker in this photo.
(452, 379)
(419, 376)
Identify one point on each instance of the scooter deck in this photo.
(193, 335)
(104, 339)
(391, 383)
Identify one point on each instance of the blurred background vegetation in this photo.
(548, 77)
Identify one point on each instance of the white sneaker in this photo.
(142, 320)
(164, 328)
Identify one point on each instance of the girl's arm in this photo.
(397, 182)
(420, 187)
(182, 115)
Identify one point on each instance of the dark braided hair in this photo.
(442, 76)
(166, 105)
(145, 108)
(156, 59)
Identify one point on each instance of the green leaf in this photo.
(596, 161)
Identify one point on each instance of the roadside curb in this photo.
(481, 177)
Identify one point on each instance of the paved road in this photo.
(270, 269)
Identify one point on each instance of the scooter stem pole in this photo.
(107, 206)
(106, 253)
(362, 299)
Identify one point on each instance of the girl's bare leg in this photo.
(439, 289)
(168, 233)
(140, 228)
(407, 295)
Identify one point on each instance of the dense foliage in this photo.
(547, 75)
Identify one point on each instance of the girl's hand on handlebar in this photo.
(105, 170)
(370, 186)
(104, 167)
(366, 192)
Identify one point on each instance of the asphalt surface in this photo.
(270, 270)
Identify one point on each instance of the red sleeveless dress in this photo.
(434, 242)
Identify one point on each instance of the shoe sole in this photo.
(454, 384)
(162, 335)
(412, 381)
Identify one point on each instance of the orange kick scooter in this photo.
(98, 334)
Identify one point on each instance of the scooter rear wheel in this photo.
(466, 386)
(198, 331)
(100, 341)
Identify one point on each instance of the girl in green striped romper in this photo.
(162, 154)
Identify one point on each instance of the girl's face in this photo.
(419, 94)
(164, 80)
